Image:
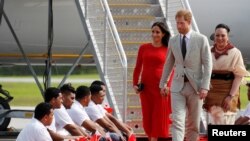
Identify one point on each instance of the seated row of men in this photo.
(69, 114)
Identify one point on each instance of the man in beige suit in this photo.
(189, 54)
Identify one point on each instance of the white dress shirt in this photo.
(101, 108)
(94, 111)
(77, 113)
(34, 131)
(188, 36)
(246, 113)
(61, 119)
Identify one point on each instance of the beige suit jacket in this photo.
(197, 65)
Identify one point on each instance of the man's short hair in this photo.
(95, 89)
(42, 109)
(51, 93)
(98, 82)
(186, 14)
(67, 88)
(81, 92)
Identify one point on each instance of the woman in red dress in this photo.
(149, 66)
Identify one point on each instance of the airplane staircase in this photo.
(107, 49)
(133, 20)
(116, 29)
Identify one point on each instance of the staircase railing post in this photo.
(186, 5)
(125, 95)
(86, 8)
(166, 10)
(105, 43)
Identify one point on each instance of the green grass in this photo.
(243, 94)
(25, 94)
(28, 94)
(74, 76)
(243, 97)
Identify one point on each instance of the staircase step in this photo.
(134, 114)
(139, 22)
(135, 35)
(134, 43)
(113, 70)
(135, 38)
(130, 85)
(134, 30)
(131, 61)
(131, 48)
(132, 1)
(131, 55)
(137, 126)
(111, 5)
(136, 9)
(134, 107)
(113, 57)
(134, 17)
(133, 100)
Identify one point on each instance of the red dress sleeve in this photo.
(138, 66)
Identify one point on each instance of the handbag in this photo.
(140, 87)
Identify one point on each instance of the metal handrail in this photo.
(186, 5)
(23, 53)
(115, 32)
(109, 22)
(121, 52)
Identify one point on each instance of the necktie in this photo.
(183, 47)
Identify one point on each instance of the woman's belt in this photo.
(222, 76)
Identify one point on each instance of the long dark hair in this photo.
(165, 31)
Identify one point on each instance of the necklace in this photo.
(220, 49)
(157, 45)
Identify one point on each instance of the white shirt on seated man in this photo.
(78, 113)
(97, 113)
(94, 111)
(60, 120)
(62, 124)
(244, 118)
(36, 130)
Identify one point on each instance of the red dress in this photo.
(155, 108)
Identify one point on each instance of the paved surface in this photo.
(17, 124)
(20, 123)
(5, 139)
